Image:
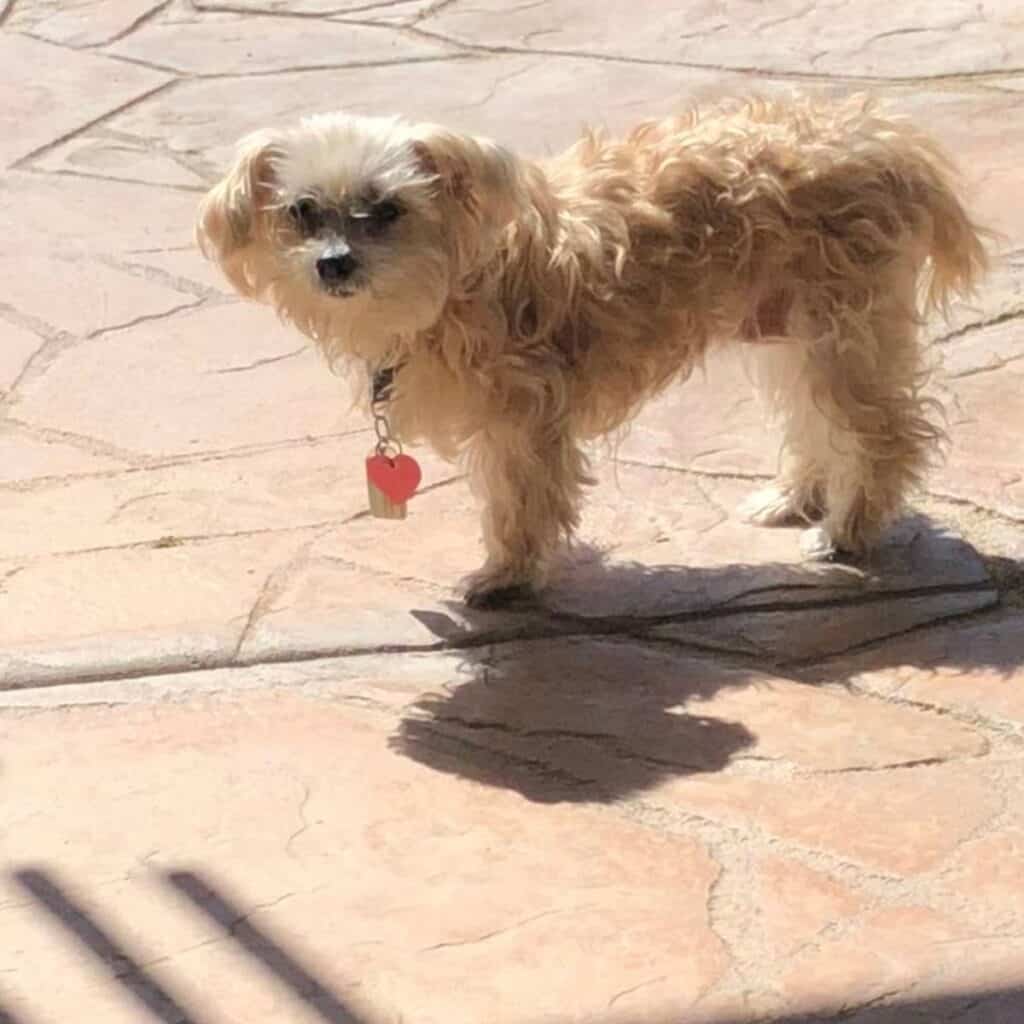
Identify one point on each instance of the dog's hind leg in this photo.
(531, 483)
(796, 496)
(858, 397)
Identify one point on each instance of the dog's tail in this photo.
(955, 246)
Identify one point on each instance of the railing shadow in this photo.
(154, 995)
(98, 939)
(267, 951)
(271, 954)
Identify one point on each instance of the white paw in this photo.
(772, 506)
(817, 545)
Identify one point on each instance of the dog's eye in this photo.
(384, 213)
(305, 214)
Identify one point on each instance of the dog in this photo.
(521, 309)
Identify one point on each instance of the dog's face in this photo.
(359, 229)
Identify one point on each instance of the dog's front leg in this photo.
(531, 484)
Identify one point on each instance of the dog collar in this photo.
(382, 382)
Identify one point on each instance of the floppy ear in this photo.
(233, 223)
(481, 180)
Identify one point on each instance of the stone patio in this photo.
(258, 764)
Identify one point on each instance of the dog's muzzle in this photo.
(336, 267)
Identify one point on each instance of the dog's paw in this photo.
(770, 506)
(778, 505)
(817, 545)
(490, 597)
(492, 588)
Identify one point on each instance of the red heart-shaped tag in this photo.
(398, 478)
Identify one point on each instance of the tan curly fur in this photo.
(533, 306)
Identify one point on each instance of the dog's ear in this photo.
(232, 227)
(482, 180)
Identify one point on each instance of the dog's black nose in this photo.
(337, 267)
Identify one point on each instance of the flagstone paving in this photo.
(257, 762)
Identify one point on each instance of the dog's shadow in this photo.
(601, 697)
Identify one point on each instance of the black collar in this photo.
(382, 382)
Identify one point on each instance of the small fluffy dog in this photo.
(521, 308)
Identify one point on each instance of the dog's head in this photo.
(359, 229)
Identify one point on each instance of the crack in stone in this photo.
(66, 172)
(137, 500)
(932, 623)
(44, 330)
(269, 360)
(895, 766)
(35, 366)
(172, 281)
(1011, 314)
(786, 18)
(911, 30)
(983, 510)
(982, 724)
(487, 936)
(1001, 364)
(266, 12)
(606, 740)
(178, 74)
(142, 19)
(443, 742)
(498, 82)
(303, 827)
(553, 625)
(299, 69)
(634, 988)
(145, 318)
(169, 957)
(272, 587)
(149, 464)
(90, 445)
(853, 1009)
(711, 474)
(381, 5)
(714, 922)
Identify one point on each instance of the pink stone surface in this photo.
(81, 23)
(76, 89)
(702, 782)
(412, 913)
(226, 44)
